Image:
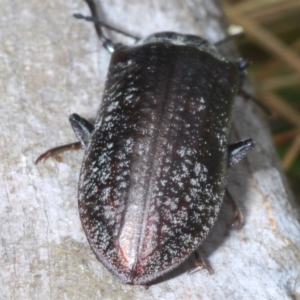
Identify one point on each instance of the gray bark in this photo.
(53, 65)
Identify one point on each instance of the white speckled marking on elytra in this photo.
(153, 175)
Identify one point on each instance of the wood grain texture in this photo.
(53, 65)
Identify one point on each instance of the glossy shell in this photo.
(154, 171)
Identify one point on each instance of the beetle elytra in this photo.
(154, 171)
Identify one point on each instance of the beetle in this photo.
(153, 176)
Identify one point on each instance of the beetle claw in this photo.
(199, 265)
(238, 219)
(55, 151)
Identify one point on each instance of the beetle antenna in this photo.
(257, 102)
(107, 43)
(97, 22)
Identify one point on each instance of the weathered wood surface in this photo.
(53, 65)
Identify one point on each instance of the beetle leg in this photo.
(200, 264)
(83, 129)
(238, 217)
(243, 64)
(57, 150)
(257, 102)
(238, 151)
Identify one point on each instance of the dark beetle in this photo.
(153, 175)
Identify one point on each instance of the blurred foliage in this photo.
(282, 20)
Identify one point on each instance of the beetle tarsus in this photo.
(55, 151)
(199, 265)
(242, 65)
(238, 217)
(267, 111)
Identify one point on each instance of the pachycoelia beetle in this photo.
(153, 175)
